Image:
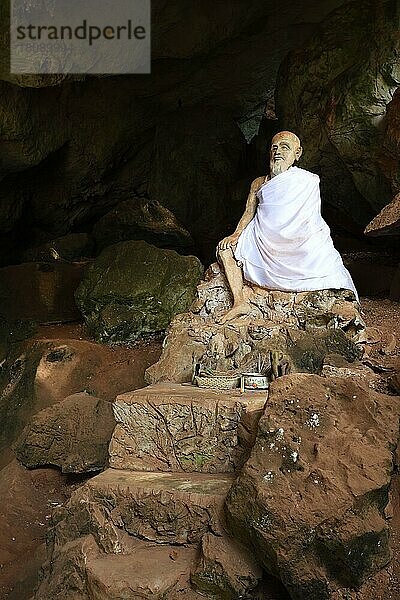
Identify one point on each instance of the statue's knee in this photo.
(227, 258)
(224, 256)
(226, 252)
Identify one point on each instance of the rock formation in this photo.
(42, 371)
(133, 289)
(214, 493)
(304, 327)
(387, 223)
(310, 500)
(142, 219)
(73, 435)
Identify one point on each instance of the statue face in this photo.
(285, 150)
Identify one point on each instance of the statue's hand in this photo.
(229, 241)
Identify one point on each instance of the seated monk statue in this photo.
(282, 242)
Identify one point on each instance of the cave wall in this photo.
(187, 136)
(337, 92)
(72, 149)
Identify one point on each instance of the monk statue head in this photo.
(285, 150)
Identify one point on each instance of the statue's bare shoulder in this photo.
(258, 182)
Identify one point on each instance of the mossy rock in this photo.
(133, 290)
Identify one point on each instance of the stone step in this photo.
(153, 571)
(148, 536)
(174, 427)
(118, 506)
(149, 572)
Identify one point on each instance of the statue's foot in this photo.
(237, 310)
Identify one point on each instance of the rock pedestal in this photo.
(166, 508)
(169, 427)
(300, 326)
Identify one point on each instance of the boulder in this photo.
(299, 327)
(48, 368)
(73, 435)
(225, 569)
(387, 222)
(310, 500)
(142, 219)
(169, 427)
(134, 289)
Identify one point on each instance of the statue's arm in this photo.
(248, 215)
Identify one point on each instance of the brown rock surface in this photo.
(357, 372)
(170, 427)
(226, 569)
(153, 571)
(303, 326)
(150, 572)
(27, 499)
(311, 498)
(60, 361)
(65, 577)
(174, 508)
(327, 93)
(387, 222)
(72, 434)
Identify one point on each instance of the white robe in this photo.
(287, 245)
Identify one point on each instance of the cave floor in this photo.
(29, 496)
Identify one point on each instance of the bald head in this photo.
(286, 135)
(285, 150)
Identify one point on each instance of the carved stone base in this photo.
(169, 427)
(296, 328)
